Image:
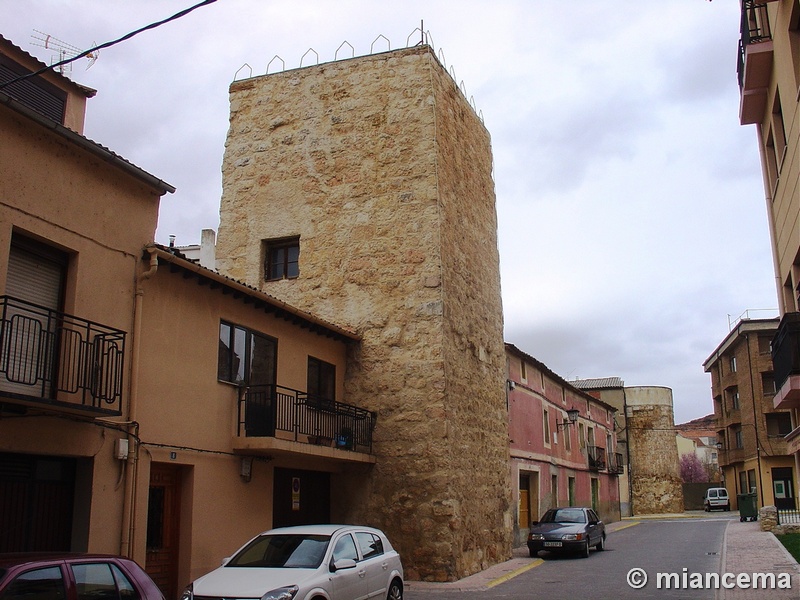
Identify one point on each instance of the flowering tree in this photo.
(692, 470)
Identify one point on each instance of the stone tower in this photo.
(655, 480)
(382, 172)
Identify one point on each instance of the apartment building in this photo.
(752, 451)
(769, 82)
(563, 445)
(149, 406)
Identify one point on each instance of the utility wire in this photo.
(127, 36)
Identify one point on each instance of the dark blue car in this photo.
(568, 529)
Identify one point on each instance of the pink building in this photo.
(562, 442)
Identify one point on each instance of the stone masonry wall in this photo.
(384, 171)
(656, 486)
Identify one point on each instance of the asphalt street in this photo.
(681, 547)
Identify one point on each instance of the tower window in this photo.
(282, 259)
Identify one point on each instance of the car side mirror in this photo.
(343, 563)
(534, 522)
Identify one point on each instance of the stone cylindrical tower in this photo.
(380, 172)
(655, 480)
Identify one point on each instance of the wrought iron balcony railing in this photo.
(615, 465)
(49, 357)
(786, 349)
(754, 28)
(266, 410)
(597, 458)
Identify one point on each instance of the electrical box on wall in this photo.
(121, 449)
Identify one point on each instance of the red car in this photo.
(66, 576)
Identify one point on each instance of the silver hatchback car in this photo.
(340, 562)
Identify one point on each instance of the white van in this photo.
(716, 498)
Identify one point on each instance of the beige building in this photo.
(753, 453)
(362, 190)
(611, 390)
(148, 406)
(769, 79)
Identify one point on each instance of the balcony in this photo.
(279, 420)
(786, 362)
(53, 360)
(755, 61)
(597, 458)
(615, 464)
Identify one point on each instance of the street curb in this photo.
(514, 573)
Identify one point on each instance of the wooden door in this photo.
(163, 528)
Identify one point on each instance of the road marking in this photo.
(625, 526)
(513, 574)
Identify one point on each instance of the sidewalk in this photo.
(746, 549)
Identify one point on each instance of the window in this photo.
(101, 581)
(764, 344)
(733, 364)
(794, 40)
(581, 435)
(245, 356)
(739, 438)
(779, 424)
(345, 548)
(38, 583)
(768, 384)
(546, 424)
(321, 381)
(282, 259)
(369, 544)
(523, 371)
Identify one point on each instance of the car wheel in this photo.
(705, 508)
(728, 506)
(601, 545)
(395, 591)
(533, 553)
(585, 550)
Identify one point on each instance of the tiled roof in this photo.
(601, 383)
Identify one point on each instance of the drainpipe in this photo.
(132, 466)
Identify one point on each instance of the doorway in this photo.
(783, 488)
(163, 527)
(300, 498)
(36, 503)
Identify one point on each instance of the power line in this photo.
(127, 36)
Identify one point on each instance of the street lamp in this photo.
(572, 418)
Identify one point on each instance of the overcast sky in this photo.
(630, 201)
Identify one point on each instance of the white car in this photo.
(319, 562)
(716, 498)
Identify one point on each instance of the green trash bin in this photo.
(748, 507)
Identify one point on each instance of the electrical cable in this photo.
(127, 36)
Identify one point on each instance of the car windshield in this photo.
(564, 515)
(287, 551)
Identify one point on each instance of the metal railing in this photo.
(615, 464)
(59, 359)
(754, 28)
(265, 410)
(786, 349)
(597, 458)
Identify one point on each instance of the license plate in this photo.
(552, 544)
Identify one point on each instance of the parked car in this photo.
(68, 576)
(340, 562)
(567, 529)
(716, 498)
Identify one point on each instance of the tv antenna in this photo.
(65, 51)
